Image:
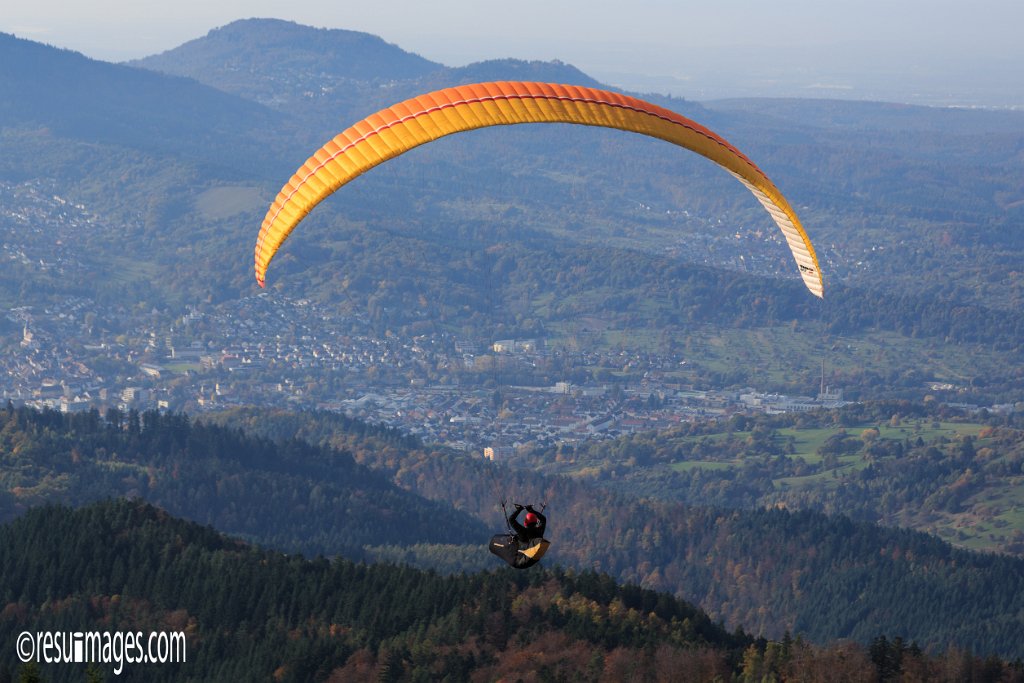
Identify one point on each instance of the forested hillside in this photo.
(288, 494)
(252, 615)
(249, 614)
(767, 570)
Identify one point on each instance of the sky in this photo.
(944, 52)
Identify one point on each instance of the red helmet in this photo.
(531, 519)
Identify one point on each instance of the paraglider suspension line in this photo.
(504, 516)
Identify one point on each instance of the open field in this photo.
(808, 441)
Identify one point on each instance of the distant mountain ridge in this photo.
(81, 98)
(65, 98)
(270, 59)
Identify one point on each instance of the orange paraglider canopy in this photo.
(403, 126)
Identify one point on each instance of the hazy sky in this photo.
(945, 51)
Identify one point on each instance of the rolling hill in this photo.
(244, 56)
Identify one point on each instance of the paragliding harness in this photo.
(518, 552)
